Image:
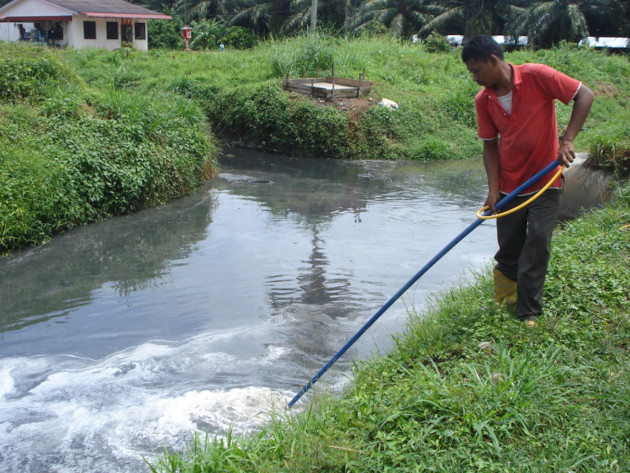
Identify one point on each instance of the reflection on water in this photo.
(119, 257)
(127, 334)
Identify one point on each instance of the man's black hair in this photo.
(480, 48)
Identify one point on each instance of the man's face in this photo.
(483, 73)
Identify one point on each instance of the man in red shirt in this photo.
(516, 120)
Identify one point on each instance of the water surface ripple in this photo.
(124, 335)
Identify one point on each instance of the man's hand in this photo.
(566, 152)
(491, 201)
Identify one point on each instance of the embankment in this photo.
(71, 154)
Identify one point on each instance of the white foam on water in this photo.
(6, 380)
(69, 414)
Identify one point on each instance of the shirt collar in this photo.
(518, 79)
(517, 75)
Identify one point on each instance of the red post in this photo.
(187, 34)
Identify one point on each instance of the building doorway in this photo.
(126, 33)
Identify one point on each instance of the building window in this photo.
(141, 31)
(89, 30)
(112, 30)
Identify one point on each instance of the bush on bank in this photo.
(469, 388)
(71, 154)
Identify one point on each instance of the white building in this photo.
(77, 23)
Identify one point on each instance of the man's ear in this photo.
(494, 60)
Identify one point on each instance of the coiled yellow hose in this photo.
(524, 204)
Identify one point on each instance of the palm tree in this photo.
(262, 17)
(331, 13)
(402, 17)
(547, 23)
(198, 9)
(300, 16)
(472, 16)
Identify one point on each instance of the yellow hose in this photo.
(524, 204)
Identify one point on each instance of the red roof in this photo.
(138, 16)
(91, 8)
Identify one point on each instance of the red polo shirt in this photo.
(528, 136)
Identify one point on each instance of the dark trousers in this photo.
(525, 247)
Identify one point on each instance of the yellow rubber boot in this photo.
(504, 289)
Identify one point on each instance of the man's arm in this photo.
(581, 106)
(491, 162)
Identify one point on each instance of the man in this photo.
(516, 120)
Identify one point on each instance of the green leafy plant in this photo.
(207, 34)
(239, 37)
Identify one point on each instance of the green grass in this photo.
(241, 96)
(469, 388)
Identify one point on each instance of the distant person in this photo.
(516, 119)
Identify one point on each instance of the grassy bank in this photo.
(241, 95)
(71, 153)
(87, 134)
(468, 388)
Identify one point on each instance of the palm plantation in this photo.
(544, 22)
(556, 20)
(402, 18)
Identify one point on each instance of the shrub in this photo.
(21, 77)
(165, 34)
(70, 155)
(239, 38)
(320, 131)
(207, 34)
(436, 43)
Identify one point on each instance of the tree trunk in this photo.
(313, 16)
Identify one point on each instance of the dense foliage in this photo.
(546, 22)
(71, 154)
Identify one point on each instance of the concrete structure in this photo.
(103, 24)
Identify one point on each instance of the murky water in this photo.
(123, 336)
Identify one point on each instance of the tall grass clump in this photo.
(305, 56)
(469, 388)
(25, 71)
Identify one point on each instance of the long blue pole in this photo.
(419, 274)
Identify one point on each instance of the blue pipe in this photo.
(419, 274)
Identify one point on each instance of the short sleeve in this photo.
(558, 85)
